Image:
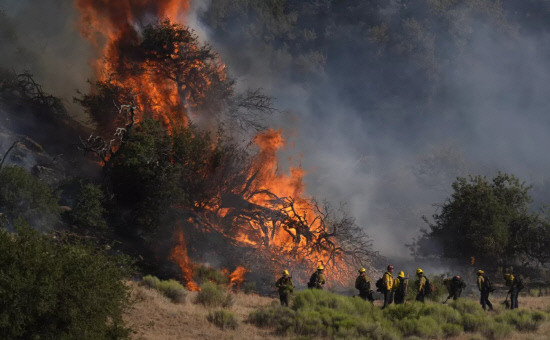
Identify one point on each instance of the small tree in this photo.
(482, 218)
(50, 289)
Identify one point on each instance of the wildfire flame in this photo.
(112, 26)
(178, 254)
(237, 277)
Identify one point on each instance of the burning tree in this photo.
(169, 177)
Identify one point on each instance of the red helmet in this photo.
(390, 267)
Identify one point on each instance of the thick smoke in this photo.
(42, 37)
(374, 133)
(377, 134)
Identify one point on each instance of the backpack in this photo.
(488, 285)
(313, 281)
(380, 285)
(519, 283)
(402, 287)
(428, 287)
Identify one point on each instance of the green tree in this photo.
(51, 289)
(22, 195)
(482, 218)
(88, 210)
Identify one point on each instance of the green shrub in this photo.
(522, 320)
(22, 195)
(452, 330)
(50, 289)
(474, 322)
(476, 337)
(441, 313)
(205, 273)
(534, 292)
(428, 328)
(496, 331)
(212, 295)
(150, 281)
(464, 306)
(172, 289)
(223, 319)
(280, 318)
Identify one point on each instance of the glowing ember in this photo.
(178, 255)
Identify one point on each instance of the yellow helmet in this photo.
(285, 272)
(362, 270)
(401, 274)
(320, 267)
(419, 271)
(480, 272)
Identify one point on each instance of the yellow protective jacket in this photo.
(480, 282)
(362, 283)
(397, 282)
(285, 285)
(510, 281)
(387, 279)
(420, 283)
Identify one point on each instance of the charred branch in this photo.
(108, 150)
(6, 154)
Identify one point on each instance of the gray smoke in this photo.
(42, 37)
(393, 157)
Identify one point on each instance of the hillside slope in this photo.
(154, 317)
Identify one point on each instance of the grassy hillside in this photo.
(319, 315)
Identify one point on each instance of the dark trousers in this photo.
(514, 292)
(455, 295)
(285, 298)
(366, 295)
(388, 298)
(398, 299)
(420, 297)
(484, 300)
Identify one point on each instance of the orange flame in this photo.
(112, 26)
(237, 277)
(178, 255)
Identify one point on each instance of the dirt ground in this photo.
(154, 317)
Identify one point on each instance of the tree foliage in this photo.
(88, 212)
(51, 289)
(489, 220)
(22, 195)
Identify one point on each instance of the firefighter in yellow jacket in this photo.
(400, 285)
(515, 283)
(286, 288)
(421, 286)
(387, 281)
(362, 283)
(485, 288)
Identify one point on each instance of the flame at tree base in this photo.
(178, 255)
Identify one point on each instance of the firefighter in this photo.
(387, 281)
(515, 283)
(421, 285)
(400, 285)
(317, 279)
(362, 283)
(286, 288)
(485, 287)
(454, 286)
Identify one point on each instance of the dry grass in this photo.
(155, 317)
